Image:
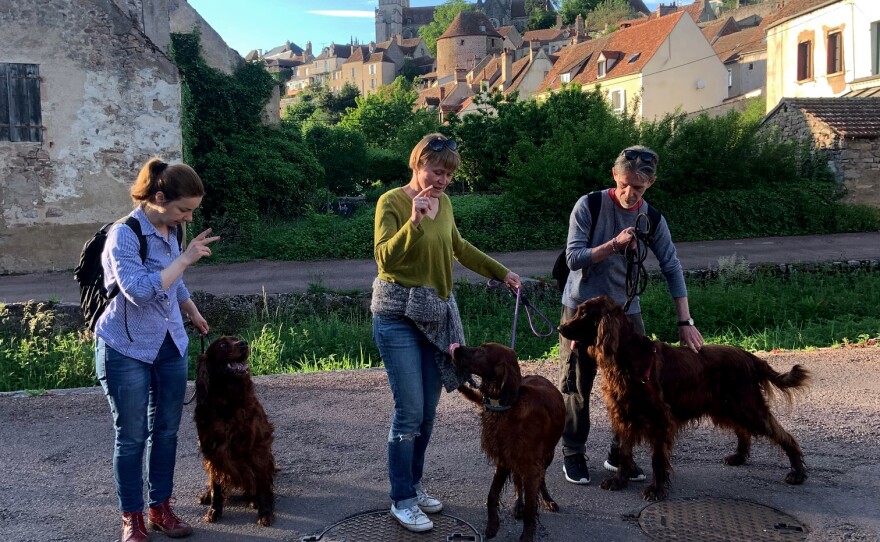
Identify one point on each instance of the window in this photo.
(729, 77)
(618, 100)
(634, 57)
(461, 42)
(566, 77)
(352, 73)
(601, 68)
(805, 61)
(20, 113)
(372, 69)
(834, 44)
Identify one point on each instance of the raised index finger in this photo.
(202, 235)
(425, 192)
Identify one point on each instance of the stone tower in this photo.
(389, 18)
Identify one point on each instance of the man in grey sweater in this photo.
(595, 256)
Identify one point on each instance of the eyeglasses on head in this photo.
(632, 154)
(437, 144)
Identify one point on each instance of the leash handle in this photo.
(520, 298)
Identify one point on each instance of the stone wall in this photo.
(855, 162)
(109, 100)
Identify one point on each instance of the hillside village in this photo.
(83, 105)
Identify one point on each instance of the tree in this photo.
(541, 14)
(570, 9)
(443, 16)
(386, 118)
(608, 13)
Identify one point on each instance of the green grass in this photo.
(757, 311)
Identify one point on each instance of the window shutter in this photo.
(5, 103)
(22, 120)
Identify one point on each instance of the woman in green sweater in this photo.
(415, 317)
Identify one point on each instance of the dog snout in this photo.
(242, 343)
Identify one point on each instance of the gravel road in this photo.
(330, 443)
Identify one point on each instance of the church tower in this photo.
(389, 18)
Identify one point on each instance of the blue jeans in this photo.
(146, 401)
(415, 386)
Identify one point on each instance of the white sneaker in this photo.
(412, 518)
(427, 503)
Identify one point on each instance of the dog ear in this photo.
(511, 378)
(608, 336)
(202, 376)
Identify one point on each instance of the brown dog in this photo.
(653, 390)
(235, 435)
(522, 422)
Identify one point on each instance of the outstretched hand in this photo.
(198, 248)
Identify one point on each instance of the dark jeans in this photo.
(577, 370)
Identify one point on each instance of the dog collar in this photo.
(494, 405)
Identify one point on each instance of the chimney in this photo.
(442, 93)
(506, 68)
(558, 21)
(531, 52)
(460, 75)
(578, 25)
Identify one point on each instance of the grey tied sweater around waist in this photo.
(436, 318)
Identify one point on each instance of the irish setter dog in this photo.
(522, 421)
(653, 390)
(235, 435)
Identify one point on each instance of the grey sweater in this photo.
(608, 277)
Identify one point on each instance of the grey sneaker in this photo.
(637, 475)
(412, 518)
(427, 503)
(575, 469)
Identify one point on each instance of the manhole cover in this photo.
(378, 525)
(718, 520)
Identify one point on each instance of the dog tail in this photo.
(471, 394)
(797, 378)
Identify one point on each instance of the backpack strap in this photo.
(135, 226)
(594, 204)
(654, 217)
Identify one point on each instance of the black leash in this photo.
(202, 337)
(636, 274)
(520, 298)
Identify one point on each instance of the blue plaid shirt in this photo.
(150, 311)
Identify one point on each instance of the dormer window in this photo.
(566, 77)
(602, 68)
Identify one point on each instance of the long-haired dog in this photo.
(522, 421)
(235, 435)
(653, 390)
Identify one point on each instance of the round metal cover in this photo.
(378, 525)
(718, 520)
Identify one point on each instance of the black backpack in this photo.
(89, 274)
(594, 204)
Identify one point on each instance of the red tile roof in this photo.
(792, 8)
(732, 45)
(470, 23)
(643, 40)
(850, 117)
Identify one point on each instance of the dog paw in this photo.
(266, 520)
(613, 484)
(795, 478)
(551, 506)
(213, 515)
(491, 529)
(652, 493)
(518, 509)
(735, 460)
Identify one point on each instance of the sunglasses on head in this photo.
(632, 154)
(437, 144)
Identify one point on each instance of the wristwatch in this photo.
(688, 322)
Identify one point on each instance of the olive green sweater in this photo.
(422, 255)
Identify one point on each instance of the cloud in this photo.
(362, 14)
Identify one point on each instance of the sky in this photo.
(246, 25)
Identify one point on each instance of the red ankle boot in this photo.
(133, 529)
(162, 518)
